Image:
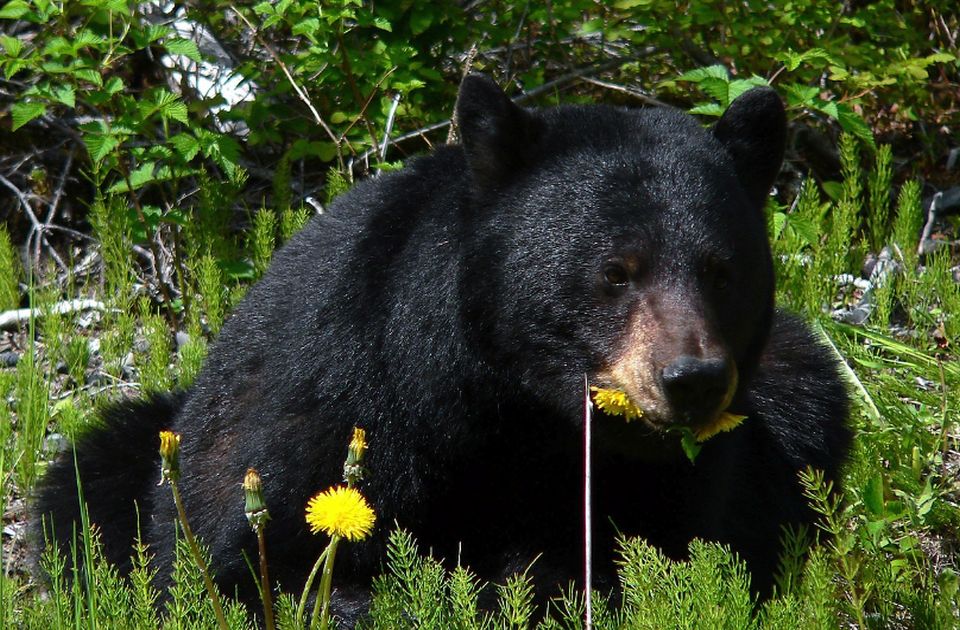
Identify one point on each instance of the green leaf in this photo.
(709, 72)
(177, 217)
(940, 58)
(827, 107)
(800, 95)
(59, 47)
(707, 109)
(187, 48)
(121, 7)
(777, 223)
(185, 145)
(873, 495)
(421, 17)
(113, 85)
(325, 151)
(177, 111)
(851, 122)
(65, 94)
(834, 190)
(263, 8)
(14, 10)
(141, 230)
(383, 24)
(719, 89)
(740, 86)
(138, 178)
(100, 145)
(691, 448)
(11, 45)
(236, 269)
(307, 28)
(10, 68)
(85, 38)
(792, 60)
(25, 111)
(89, 75)
(805, 228)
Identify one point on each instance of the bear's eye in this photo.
(615, 275)
(717, 273)
(720, 280)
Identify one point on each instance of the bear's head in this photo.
(627, 245)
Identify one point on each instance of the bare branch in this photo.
(37, 228)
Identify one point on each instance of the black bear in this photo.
(453, 309)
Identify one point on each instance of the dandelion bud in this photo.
(254, 505)
(358, 444)
(352, 468)
(169, 456)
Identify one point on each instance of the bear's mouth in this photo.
(613, 403)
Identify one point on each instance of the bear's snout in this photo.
(698, 388)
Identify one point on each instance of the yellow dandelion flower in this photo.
(614, 402)
(341, 511)
(726, 421)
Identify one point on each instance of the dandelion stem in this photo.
(301, 609)
(198, 557)
(325, 583)
(265, 580)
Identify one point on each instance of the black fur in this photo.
(452, 309)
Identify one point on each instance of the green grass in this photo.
(891, 560)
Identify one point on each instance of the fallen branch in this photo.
(12, 319)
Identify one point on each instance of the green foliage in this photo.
(9, 273)
(292, 221)
(907, 226)
(154, 368)
(516, 602)
(337, 184)
(109, 221)
(191, 356)
(710, 591)
(32, 394)
(412, 589)
(263, 239)
(843, 240)
(210, 297)
(142, 593)
(879, 186)
(827, 60)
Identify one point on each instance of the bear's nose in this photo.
(695, 388)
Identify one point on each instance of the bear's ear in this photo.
(754, 131)
(496, 133)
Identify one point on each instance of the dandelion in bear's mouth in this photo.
(726, 421)
(614, 402)
(341, 511)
